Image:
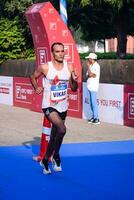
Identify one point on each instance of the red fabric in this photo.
(44, 138)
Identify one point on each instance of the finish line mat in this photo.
(91, 171)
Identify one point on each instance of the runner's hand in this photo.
(75, 75)
(39, 90)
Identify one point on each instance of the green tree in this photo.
(15, 36)
(94, 22)
(121, 12)
(12, 41)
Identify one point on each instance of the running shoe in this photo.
(45, 165)
(56, 163)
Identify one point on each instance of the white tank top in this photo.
(55, 85)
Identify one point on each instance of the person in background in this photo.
(57, 75)
(93, 75)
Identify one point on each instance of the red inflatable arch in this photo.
(47, 27)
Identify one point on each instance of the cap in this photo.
(92, 56)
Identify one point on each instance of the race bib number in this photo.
(58, 92)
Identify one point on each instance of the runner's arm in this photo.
(34, 79)
(73, 78)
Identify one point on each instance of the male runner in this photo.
(57, 75)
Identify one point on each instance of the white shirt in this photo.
(56, 88)
(93, 82)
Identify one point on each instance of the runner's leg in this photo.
(57, 134)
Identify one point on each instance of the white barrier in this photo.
(6, 90)
(110, 103)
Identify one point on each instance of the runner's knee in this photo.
(62, 130)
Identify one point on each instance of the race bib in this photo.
(58, 92)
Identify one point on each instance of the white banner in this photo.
(6, 90)
(110, 103)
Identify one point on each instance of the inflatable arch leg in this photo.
(46, 131)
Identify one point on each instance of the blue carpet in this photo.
(91, 171)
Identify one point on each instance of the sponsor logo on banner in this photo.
(73, 100)
(36, 36)
(45, 15)
(69, 56)
(50, 10)
(36, 7)
(130, 105)
(54, 37)
(23, 93)
(38, 29)
(58, 19)
(65, 33)
(53, 26)
(42, 55)
(4, 90)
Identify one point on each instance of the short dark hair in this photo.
(56, 43)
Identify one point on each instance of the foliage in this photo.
(95, 24)
(115, 3)
(103, 19)
(15, 36)
(12, 41)
(109, 55)
(98, 19)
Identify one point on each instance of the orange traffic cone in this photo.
(46, 131)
